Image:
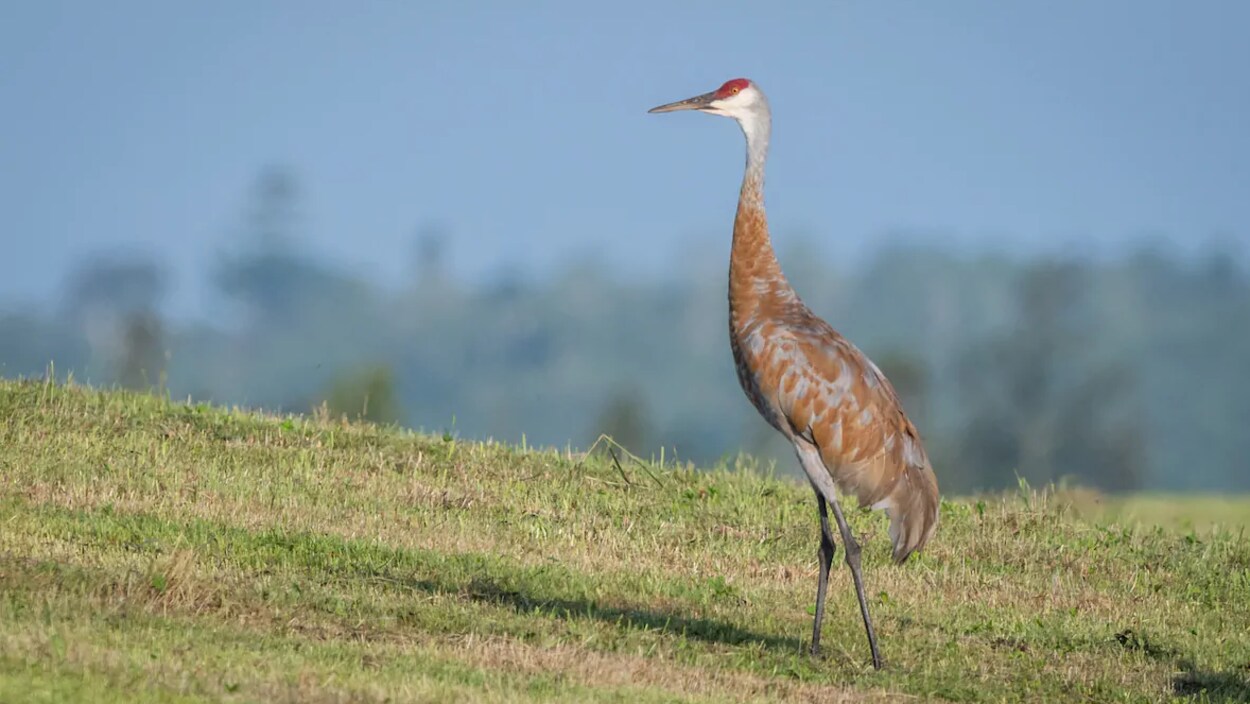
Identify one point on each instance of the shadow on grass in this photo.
(486, 590)
(464, 575)
(1191, 682)
(1212, 686)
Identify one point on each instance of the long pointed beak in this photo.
(698, 102)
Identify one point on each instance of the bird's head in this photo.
(738, 98)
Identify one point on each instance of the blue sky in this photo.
(522, 128)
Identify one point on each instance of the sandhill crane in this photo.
(811, 384)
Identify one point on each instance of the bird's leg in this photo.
(827, 548)
(852, 560)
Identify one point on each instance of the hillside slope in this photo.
(152, 551)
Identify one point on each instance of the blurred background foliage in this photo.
(1123, 373)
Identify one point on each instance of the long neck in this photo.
(755, 277)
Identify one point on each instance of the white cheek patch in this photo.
(733, 106)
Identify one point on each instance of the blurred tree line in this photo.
(1125, 374)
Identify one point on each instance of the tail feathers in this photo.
(912, 506)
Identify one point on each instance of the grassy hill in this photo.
(152, 551)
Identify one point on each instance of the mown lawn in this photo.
(153, 551)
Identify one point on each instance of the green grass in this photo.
(1189, 513)
(152, 552)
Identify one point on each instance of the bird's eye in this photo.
(735, 91)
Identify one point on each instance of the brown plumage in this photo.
(842, 415)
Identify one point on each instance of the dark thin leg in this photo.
(827, 548)
(852, 561)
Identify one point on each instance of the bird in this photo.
(843, 417)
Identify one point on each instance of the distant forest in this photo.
(1122, 374)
